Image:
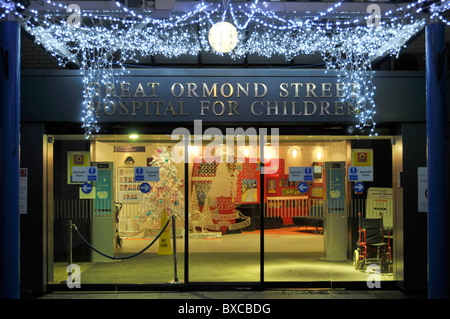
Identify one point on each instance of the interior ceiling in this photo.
(298, 8)
(113, 139)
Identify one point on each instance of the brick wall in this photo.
(35, 57)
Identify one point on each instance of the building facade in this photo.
(244, 217)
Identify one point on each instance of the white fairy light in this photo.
(347, 46)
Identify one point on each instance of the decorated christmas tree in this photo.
(166, 195)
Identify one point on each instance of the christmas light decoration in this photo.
(167, 194)
(106, 42)
(223, 37)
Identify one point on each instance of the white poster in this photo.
(422, 189)
(380, 203)
(128, 189)
(23, 190)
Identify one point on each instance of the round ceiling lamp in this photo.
(223, 37)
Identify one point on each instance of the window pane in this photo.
(118, 220)
(224, 213)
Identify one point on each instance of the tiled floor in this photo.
(291, 257)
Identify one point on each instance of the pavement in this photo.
(239, 294)
(248, 303)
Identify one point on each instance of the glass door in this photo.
(110, 230)
(295, 205)
(224, 210)
(315, 221)
(217, 197)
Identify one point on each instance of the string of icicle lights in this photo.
(106, 44)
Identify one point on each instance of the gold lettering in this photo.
(136, 106)
(157, 103)
(324, 105)
(326, 88)
(283, 87)
(293, 108)
(124, 89)
(351, 108)
(147, 105)
(95, 86)
(203, 107)
(110, 89)
(209, 92)
(191, 89)
(232, 108)
(153, 85)
(170, 108)
(284, 108)
(257, 94)
(230, 90)
(252, 107)
(339, 108)
(140, 89)
(123, 107)
(306, 103)
(310, 87)
(106, 108)
(340, 90)
(274, 107)
(240, 88)
(181, 103)
(172, 89)
(222, 106)
(95, 108)
(355, 88)
(296, 85)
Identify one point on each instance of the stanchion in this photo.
(174, 236)
(69, 248)
(69, 242)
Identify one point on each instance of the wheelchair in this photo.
(373, 246)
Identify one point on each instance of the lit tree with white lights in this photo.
(166, 195)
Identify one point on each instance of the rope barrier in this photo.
(120, 258)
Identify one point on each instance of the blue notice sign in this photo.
(145, 187)
(301, 174)
(92, 174)
(303, 187)
(149, 174)
(360, 173)
(359, 187)
(86, 188)
(84, 174)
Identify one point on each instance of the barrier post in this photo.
(174, 236)
(69, 242)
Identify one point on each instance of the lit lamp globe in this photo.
(223, 37)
